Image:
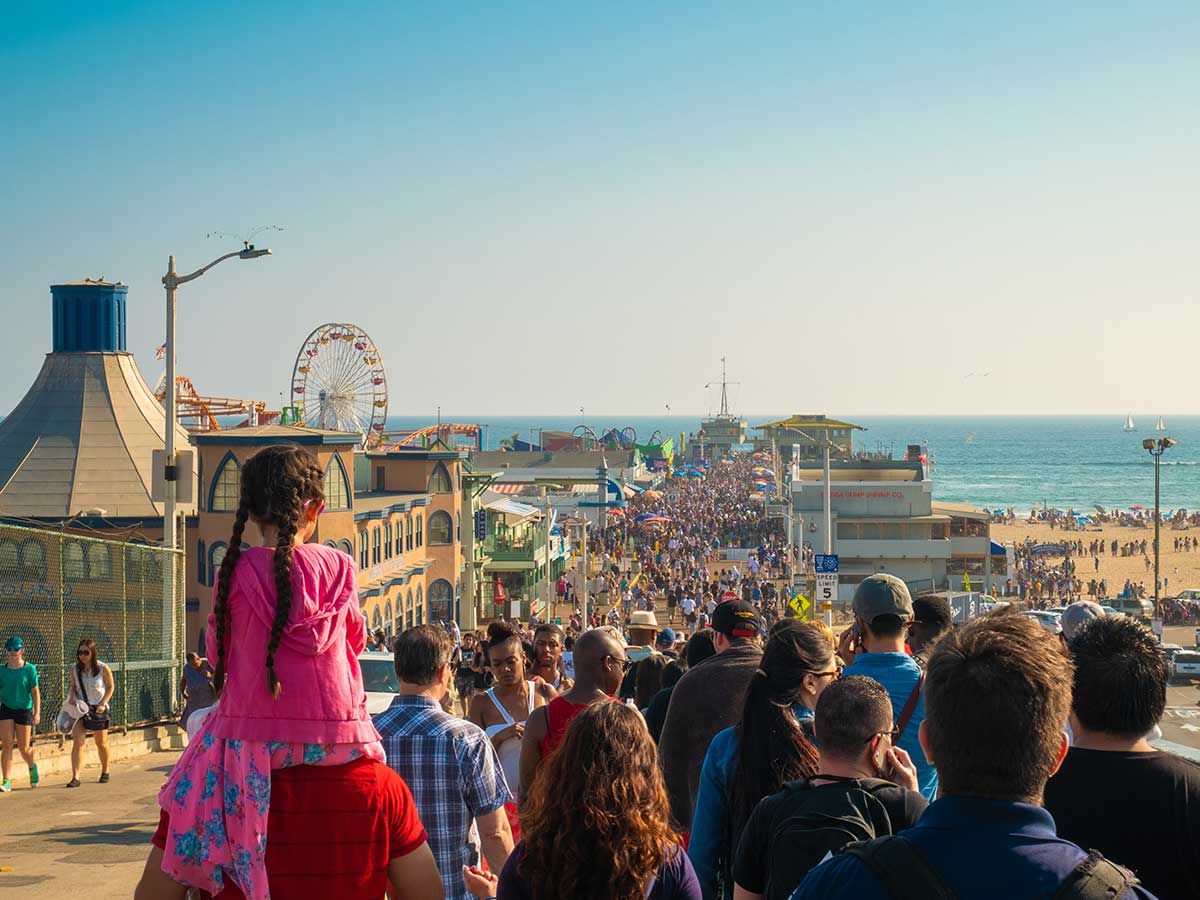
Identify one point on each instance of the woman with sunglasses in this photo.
(91, 682)
(768, 748)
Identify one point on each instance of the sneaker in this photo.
(104, 778)
(33, 777)
(74, 782)
(6, 786)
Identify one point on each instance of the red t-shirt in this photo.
(331, 831)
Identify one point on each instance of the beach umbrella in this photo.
(1138, 507)
(643, 517)
(617, 511)
(694, 474)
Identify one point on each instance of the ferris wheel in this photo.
(339, 383)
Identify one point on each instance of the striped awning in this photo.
(511, 488)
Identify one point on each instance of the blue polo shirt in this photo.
(982, 849)
(899, 673)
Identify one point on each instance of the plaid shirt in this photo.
(454, 774)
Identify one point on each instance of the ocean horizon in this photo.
(1072, 462)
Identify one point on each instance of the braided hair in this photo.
(276, 483)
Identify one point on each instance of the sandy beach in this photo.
(1182, 569)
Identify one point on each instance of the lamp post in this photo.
(1157, 449)
(171, 282)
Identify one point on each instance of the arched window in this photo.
(33, 560)
(408, 611)
(226, 487)
(73, 555)
(419, 612)
(389, 621)
(458, 527)
(376, 619)
(99, 562)
(439, 481)
(387, 541)
(399, 536)
(10, 558)
(337, 494)
(216, 556)
(364, 557)
(346, 547)
(201, 563)
(441, 601)
(420, 526)
(440, 526)
(375, 557)
(412, 533)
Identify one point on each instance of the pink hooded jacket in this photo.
(321, 697)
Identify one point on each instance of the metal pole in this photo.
(1157, 460)
(828, 520)
(549, 587)
(169, 485)
(586, 571)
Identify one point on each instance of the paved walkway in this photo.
(88, 842)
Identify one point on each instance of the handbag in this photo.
(92, 720)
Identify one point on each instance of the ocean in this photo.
(991, 461)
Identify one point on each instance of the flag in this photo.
(161, 352)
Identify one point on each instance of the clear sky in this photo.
(534, 207)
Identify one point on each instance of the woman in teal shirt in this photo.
(764, 751)
(20, 710)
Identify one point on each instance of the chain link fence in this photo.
(58, 588)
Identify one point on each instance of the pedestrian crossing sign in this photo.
(800, 604)
(966, 581)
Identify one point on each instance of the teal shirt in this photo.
(16, 686)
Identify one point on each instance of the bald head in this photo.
(597, 655)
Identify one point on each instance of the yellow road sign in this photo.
(800, 604)
(966, 582)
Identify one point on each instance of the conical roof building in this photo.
(83, 437)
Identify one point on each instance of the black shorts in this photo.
(19, 716)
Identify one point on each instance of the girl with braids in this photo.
(768, 748)
(286, 631)
(594, 823)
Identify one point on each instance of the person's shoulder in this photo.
(840, 876)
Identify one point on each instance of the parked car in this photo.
(1169, 650)
(1109, 610)
(1057, 610)
(379, 680)
(1192, 594)
(1046, 618)
(1134, 606)
(1186, 664)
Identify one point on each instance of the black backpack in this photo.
(907, 876)
(828, 820)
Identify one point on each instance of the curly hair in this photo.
(276, 484)
(595, 822)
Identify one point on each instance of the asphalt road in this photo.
(1181, 723)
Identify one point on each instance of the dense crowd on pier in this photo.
(903, 757)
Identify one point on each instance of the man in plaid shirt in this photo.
(448, 763)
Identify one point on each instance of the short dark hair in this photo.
(1120, 676)
(700, 647)
(886, 626)
(673, 672)
(934, 612)
(849, 712)
(997, 692)
(548, 626)
(421, 652)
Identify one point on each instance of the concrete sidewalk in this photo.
(89, 841)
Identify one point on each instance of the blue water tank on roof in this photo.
(89, 316)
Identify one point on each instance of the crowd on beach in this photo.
(904, 756)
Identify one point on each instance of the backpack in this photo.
(827, 821)
(907, 876)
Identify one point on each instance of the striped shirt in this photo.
(454, 774)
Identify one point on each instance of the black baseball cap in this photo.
(736, 618)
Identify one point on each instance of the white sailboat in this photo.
(1129, 426)
(1159, 426)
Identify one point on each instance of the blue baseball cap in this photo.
(14, 643)
(666, 638)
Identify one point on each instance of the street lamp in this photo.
(1156, 449)
(171, 282)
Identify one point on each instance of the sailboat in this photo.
(1129, 426)
(1159, 426)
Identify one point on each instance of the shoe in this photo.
(33, 776)
(6, 786)
(74, 782)
(104, 778)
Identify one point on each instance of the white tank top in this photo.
(510, 751)
(93, 685)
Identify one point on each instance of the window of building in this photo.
(441, 600)
(458, 527)
(387, 541)
(389, 621)
(439, 528)
(10, 559)
(869, 531)
(376, 619)
(399, 536)
(73, 560)
(346, 547)
(216, 556)
(337, 494)
(33, 560)
(891, 531)
(419, 612)
(847, 531)
(420, 527)
(227, 486)
(201, 563)
(439, 481)
(939, 531)
(364, 553)
(375, 557)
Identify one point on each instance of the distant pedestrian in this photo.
(20, 710)
(92, 682)
(196, 687)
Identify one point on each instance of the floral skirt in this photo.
(218, 797)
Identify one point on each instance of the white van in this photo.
(1133, 606)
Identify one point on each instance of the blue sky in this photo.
(537, 207)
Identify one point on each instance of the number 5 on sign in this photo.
(827, 584)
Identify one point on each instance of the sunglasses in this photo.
(624, 662)
(836, 672)
(893, 733)
(83, 652)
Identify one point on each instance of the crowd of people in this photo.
(903, 757)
